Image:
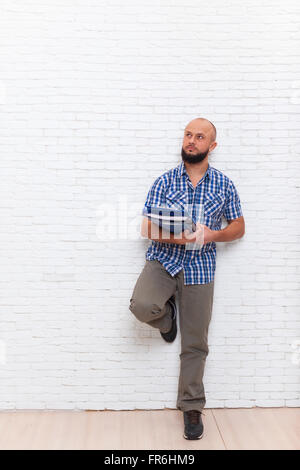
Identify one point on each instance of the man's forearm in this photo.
(233, 231)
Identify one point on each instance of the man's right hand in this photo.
(197, 236)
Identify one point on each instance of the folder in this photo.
(170, 219)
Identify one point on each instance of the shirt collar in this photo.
(182, 170)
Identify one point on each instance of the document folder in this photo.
(170, 219)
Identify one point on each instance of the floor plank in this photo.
(259, 428)
(254, 428)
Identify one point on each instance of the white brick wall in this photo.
(94, 97)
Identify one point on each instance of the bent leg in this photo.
(153, 289)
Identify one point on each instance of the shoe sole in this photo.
(193, 438)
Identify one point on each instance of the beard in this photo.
(193, 157)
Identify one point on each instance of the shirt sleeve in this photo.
(233, 208)
(156, 195)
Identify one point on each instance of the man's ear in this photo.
(213, 146)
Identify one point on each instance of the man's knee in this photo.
(144, 311)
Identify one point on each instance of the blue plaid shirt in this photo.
(216, 193)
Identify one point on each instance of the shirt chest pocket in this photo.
(176, 199)
(214, 204)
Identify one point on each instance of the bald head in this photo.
(205, 126)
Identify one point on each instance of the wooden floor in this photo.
(252, 428)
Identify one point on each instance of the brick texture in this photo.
(94, 98)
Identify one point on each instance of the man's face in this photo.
(197, 143)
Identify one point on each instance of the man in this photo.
(170, 266)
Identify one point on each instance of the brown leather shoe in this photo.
(193, 426)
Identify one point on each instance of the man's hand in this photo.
(201, 236)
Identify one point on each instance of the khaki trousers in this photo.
(153, 288)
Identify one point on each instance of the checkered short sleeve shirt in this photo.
(217, 195)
